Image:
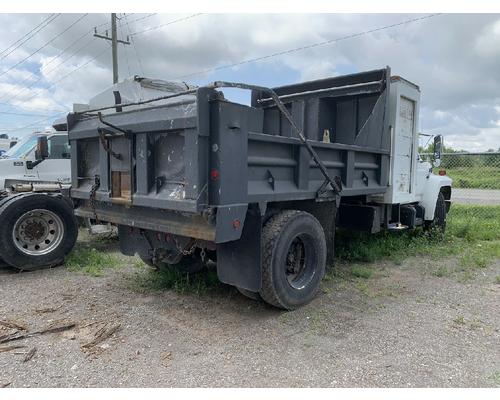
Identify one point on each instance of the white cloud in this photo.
(453, 58)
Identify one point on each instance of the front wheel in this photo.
(36, 231)
(439, 221)
(293, 259)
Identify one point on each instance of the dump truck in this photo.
(258, 189)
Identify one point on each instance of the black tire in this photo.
(251, 295)
(12, 212)
(286, 283)
(439, 221)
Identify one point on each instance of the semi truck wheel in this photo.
(36, 231)
(293, 259)
(439, 221)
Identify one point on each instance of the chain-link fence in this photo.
(476, 179)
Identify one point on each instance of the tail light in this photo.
(442, 172)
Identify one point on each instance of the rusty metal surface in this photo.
(194, 226)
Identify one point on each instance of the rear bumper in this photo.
(193, 226)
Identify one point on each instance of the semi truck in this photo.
(259, 189)
(37, 225)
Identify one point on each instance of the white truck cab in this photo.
(410, 179)
(19, 165)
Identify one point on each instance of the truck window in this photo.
(59, 148)
(24, 147)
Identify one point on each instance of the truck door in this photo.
(56, 168)
(403, 146)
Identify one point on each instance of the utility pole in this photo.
(114, 45)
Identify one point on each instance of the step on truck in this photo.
(259, 189)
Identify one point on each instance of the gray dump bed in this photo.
(200, 153)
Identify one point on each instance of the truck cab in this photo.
(19, 163)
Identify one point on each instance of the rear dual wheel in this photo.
(293, 260)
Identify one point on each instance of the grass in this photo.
(475, 177)
(474, 223)
(90, 261)
(361, 272)
(460, 320)
(170, 278)
(495, 377)
(441, 272)
(472, 235)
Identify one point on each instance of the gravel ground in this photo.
(403, 327)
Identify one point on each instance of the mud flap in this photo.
(238, 262)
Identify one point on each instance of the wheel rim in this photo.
(299, 262)
(38, 232)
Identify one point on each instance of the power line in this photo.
(323, 43)
(166, 24)
(31, 108)
(139, 18)
(124, 47)
(23, 114)
(31, 33)
(68, 74)
(30, 125)
(45, 45)
(27, 34)
(76, 69)
(40, 77)
(132, 40)
(49, 71)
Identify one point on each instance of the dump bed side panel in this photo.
(160, 161)
(346, 120)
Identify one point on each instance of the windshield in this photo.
(22, 148)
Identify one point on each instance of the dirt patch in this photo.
(399, 325)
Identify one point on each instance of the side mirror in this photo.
(41, 152)
(438, 147)
(42, 149)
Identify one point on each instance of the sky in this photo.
(454, 58)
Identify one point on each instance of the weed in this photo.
(475, 239)
(361, 272)
(495, 377)
(173, 278)
(362, 287)
(317, 322)
(90, 261)
(441, 272)
(459, 320)
(497, 279)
